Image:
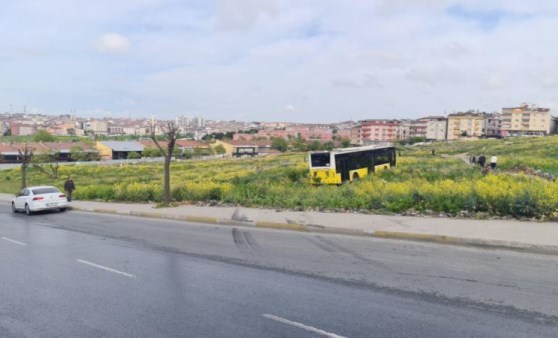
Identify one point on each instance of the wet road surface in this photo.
(88, 275)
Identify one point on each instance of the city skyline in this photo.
(265, 60)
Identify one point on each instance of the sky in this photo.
(277, 60)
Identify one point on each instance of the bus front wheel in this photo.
(355, 177)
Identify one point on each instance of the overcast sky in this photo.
(277, 60)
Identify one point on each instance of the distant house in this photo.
(60, 151)
(191, 145)
(8, 154)
(148, 143)
(244, 136)
(63, 150)
(182, 145)
(241, 148)
(118, 150)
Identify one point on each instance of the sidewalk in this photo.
(516, 235)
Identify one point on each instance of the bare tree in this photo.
(47, 164)
(26, 156)
(171, 133)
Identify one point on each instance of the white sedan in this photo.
(33, 199)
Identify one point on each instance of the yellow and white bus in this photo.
(349, 164)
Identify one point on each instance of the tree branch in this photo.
(154, 138)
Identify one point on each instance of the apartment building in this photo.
(418, 128)
(379, 130)
(23, 129)
(527, 120)
(97, 127)
(115, 130)
(436, 128)
(281, 133)
(470, 124)
(356, 134)
(403, 130)
(493, 125)
(313, 131)
(346, 133)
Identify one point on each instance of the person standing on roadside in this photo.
(69, 186)
(493, 161)
(482, 160)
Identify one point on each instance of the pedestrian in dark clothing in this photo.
(493, 161)
(482, 160)
(473, 160)
(69, 186)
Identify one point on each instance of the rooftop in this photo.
(123, 145)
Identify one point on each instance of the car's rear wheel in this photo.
(14, 209)
(27, 210)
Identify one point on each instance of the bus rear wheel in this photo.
(355, 177)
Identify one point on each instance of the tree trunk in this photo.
(167, 195)
(171, 134)
(23, 177)
(26, 156)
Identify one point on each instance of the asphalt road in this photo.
(79, 274)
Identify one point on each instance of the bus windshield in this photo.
(320, 160)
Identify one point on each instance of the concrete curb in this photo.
(222, 221)
(197, 219)
(408, 236)
(281, 226)
(483, 243)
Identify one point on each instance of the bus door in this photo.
(371, 158)
(341, 164)
(393, 157)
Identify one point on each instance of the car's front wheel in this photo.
(14, 209)
(27, 210)
(62, 209)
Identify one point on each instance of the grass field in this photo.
(536, 152)
(421, 182)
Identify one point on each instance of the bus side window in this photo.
(383, 156)
(379, 157)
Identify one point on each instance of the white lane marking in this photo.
(13, 241)
(104, 268)
(302, 326)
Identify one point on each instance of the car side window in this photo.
(25, 192)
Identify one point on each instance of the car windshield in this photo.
(41, 191)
